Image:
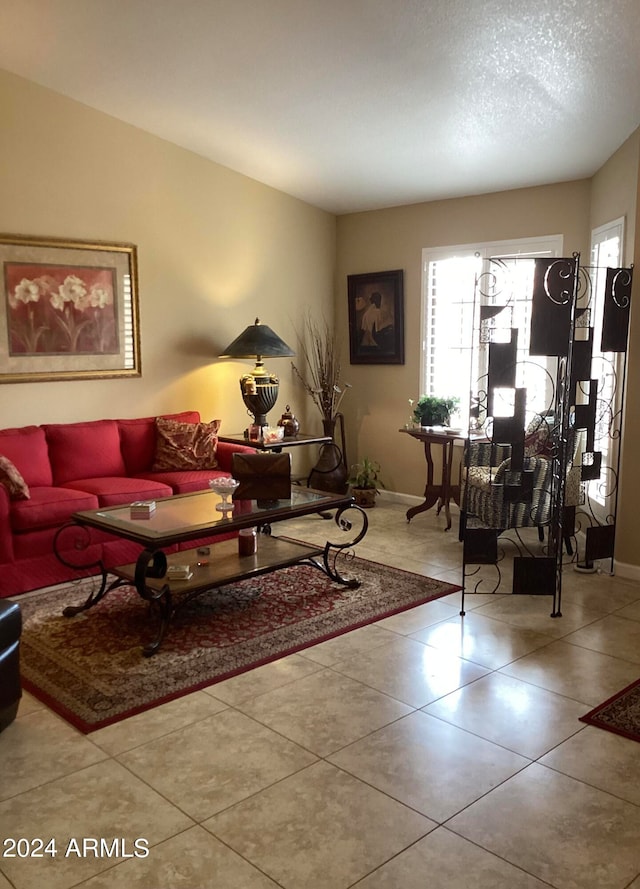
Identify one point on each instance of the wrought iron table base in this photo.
(152, 565)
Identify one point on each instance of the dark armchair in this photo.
(10, 686)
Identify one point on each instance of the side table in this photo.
(442, 494)
(287, 442)
(293, 441)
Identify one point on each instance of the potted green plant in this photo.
(364, 480)
(431, 410)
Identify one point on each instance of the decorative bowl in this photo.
(271, 434)
(224, 487)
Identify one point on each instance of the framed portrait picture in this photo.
(376, 318)
(69, 310)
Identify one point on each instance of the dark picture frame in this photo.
(376, 317)
(69, 310)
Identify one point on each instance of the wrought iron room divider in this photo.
(548, 365)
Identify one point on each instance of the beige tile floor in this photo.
(424, 750)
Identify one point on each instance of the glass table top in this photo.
(190, 513)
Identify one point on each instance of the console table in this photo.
(437, 494)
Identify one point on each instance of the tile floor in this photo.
(425, 750)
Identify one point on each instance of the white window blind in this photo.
(452, 364)
(129, 332)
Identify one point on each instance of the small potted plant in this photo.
(433, 411)
(364, 481)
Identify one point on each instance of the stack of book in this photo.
(179, 572)
(143, 509)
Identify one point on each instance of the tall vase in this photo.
(330, 472)
(329, 426)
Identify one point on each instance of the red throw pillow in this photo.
(12, 480)
(181, 446)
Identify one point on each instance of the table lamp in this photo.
(259, 389)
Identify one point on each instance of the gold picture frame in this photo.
(69, 310)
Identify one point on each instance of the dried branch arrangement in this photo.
(322, 369)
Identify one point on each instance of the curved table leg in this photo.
(81, 543)
(93, 598)
(333, 549)
(432, 492)
(447, 461)
(437, 495)
(153, 563)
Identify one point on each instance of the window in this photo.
(129, 324)
(448, 308)
(606, 251)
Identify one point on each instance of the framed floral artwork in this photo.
(69, 310)
(376, 318)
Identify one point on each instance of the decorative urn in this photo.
(290, 423)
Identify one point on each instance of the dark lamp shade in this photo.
(258, 340)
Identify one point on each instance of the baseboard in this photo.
(626, 571)
(398, 497)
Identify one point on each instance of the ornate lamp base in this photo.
(259, 394)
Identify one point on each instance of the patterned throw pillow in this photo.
(183, 446)
(538, 440)
(12, 480)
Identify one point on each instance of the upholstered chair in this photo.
(500, 498)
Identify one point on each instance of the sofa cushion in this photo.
(48, 507)
(84, 450)
(184, 446)
(12, 480)
(27, 450)
(138, 439)
(112, 491)
(185, 481)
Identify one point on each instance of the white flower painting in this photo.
(58, 310)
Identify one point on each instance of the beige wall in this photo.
(616, 192)
(613, 191)
(394, 239)
(215, 250)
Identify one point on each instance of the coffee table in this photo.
(191, 517)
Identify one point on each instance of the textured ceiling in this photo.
(352, 104)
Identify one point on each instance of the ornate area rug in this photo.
(620, 714)
(90, 669)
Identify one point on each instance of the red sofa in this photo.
(76, 466)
